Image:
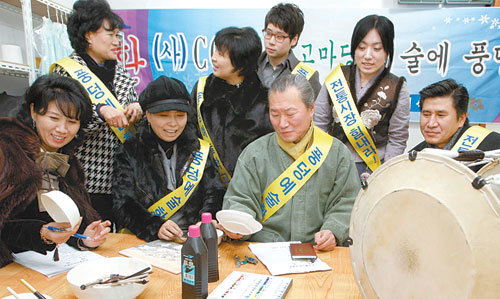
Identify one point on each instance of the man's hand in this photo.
(228, 233)
(325, 240)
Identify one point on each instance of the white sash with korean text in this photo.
(351, 122)
(471, 139)
(223, 173)
(170, 203)
(296, 175)
(304, 70)
(98, 92)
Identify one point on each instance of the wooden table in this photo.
(338, 283)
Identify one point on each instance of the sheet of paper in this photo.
(159, 253)
(69, 257)
(278, 260)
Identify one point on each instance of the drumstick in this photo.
(16, 295)
(471, 155)
(32, 289)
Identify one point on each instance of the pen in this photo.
(32, 289)
(16, 295)
(79, 236)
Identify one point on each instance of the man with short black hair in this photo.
(444, 123)
(283, 26)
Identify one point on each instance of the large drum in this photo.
(489, 171)
(421, 229)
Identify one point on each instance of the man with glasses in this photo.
(283, 26)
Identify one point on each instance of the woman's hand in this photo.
(56, 236)
(228, 233)
(98, 231)
(133, 112)
(169, 230)
(114, 117)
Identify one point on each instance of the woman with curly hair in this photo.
(94, 32)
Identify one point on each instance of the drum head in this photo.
(420, 230)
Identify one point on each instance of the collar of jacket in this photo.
(240, 98)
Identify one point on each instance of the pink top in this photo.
(206, 217)
(194, 231)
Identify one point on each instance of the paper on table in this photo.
(69, 257)
(163, 254)
(278, 260)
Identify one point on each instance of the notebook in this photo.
(69, 257)
(303, 251)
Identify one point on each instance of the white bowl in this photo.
(60, 207)
(238, 222)
(92, 270)
(11, 53)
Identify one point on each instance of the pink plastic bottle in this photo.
(194, 266)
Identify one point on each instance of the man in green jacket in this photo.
(298, 181)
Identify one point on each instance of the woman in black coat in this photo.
(235, 110)
(152, 164)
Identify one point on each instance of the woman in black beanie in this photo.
(163, 177)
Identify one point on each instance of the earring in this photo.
(33, 124)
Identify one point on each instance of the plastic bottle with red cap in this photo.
(209, 236)
(194, 264)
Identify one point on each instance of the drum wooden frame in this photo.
(421, 230)
(492, 169)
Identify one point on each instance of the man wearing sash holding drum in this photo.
(282, 28)
(298, 181)
(163, 178)
(444, 123)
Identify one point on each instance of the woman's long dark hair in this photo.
(70, 97)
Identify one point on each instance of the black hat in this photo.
(164, 94)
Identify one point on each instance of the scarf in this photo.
(105, 72)
(54, 165)
(294, 150)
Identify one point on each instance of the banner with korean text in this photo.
(430, 45)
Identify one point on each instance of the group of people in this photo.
(259, 135)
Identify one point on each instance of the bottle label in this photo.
(188, 269)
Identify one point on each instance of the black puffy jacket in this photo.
(139, 181)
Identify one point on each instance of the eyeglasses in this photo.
(277, 36)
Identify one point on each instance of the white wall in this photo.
(152, 4)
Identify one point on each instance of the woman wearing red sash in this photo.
(94, 32)
(382, 98)
(152, 164)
